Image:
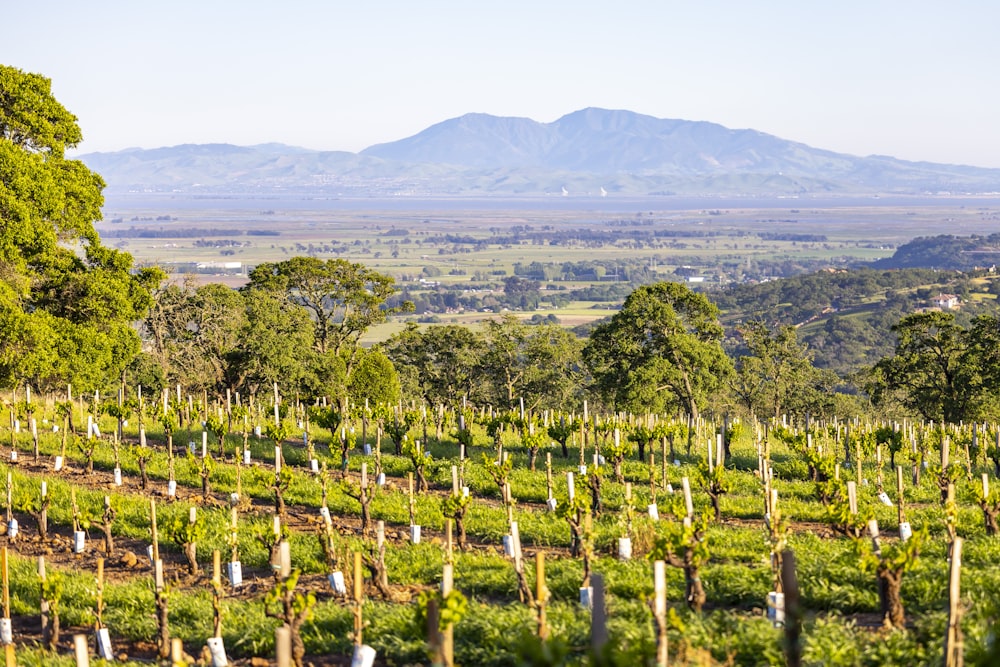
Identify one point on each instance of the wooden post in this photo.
(99, 602)
(216, 594)
(688, 504)
(541, 595)
(953, 643)
(413, 512)
(793, 615)
(857, 459)
(359, 593)
(447, 584)
(152, 528)
(44, 604)
(900, 500)
(6, 582)
(548, 474)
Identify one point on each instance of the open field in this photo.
(839, 592)
(468, 247)
(372, 231)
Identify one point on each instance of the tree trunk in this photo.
(191, 551)
(162, 619)
(694, 591)
(460, 525)
(366, 515)
(279, 500)
(890, 583)
(143, 476)
(109, 540)
(990, 517)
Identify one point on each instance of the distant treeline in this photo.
(552, 236)
(184, 233)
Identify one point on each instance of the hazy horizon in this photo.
(914, 82)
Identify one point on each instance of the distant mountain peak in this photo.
(590, 150)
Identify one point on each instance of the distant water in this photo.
(256, 203)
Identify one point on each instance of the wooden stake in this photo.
(793, 615)
(152, 527)
(953, 643)
(359, 593)
(541, 595)
(100, 594)
(900, 500)
(6, 582)
(688, 504)
(216, 593)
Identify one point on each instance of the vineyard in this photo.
(166, 528)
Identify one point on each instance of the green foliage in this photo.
(945, 372)
(452, 608)
(216, 426)
(776, 375)
(301, 605)
(343, 299)
(181, 531)
(67, 302)
(438, 363)
(661, 351)
(897, 556)
(374, 379)
(277, 432)
(686, 540)
(455, 504)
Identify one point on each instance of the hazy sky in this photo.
(913, 79)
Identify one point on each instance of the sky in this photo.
(916, 80)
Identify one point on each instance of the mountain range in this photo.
(587, 152)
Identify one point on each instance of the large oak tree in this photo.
(662, 350)
(67, 303)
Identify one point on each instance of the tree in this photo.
(66, 301)
(275, 344)
(374, 380)
(541, 364)
(193, 329)
(343, 298)
(440, 362)
(661, 350)
(777, 375)
(936, 369)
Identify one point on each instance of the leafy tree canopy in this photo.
(660, 351)
(344, 299)
(66, 301)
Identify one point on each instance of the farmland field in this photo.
(431, 245)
